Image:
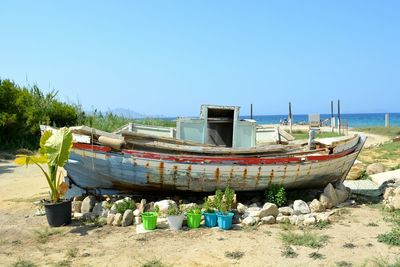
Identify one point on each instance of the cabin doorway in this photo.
(220, 126)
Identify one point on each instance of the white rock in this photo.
(316, 206)
(286, 211)
(300, 219)
(252, 212)
(330, 192)
(76, 206)
(309, 221)
(241, 208)
(325, 201)
(127, 218)
(88, 204)
(299, 206)
(117, 219)
(137, 212)
(323, 216)
(293, 219)
(248, 221)
(110, 218)
(283, 219)
(388, 192)
(142, 205)
(269, 209)
(268, 219)
(253, 205)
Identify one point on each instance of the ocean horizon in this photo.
(353, 120)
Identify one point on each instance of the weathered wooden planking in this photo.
(124, 171)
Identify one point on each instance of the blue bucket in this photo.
(225, 220)
(210, 219)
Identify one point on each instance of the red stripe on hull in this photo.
(214, 160)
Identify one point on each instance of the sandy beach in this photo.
(87, 245)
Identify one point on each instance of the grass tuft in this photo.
(288, 252)
(23, 263)
(306, 239)
(234, 255)
(72, 253)
(316, 256)
(42, 236)
(321, 225)
(391, 238)
(344, 264)
(154, 263)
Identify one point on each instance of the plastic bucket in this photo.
(149, 220)
(225, 220)
(193, 220)
(175, 222)
(210, 219)
(58, 214)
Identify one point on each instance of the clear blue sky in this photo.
(168, 57)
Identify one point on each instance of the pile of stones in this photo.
(104, 210)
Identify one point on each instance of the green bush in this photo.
(276, 194)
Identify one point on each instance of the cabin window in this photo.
(220, 126)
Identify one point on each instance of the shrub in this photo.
(276, 194)
(391, 238)
(125, 204)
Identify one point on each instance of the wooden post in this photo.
(290, 117)
(387, 120)
(332, 118)
(251, 111)
(338, 115)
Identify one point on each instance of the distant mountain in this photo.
(127, 113)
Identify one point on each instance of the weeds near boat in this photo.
(42, 236)
(288, 252)
(63, 263)
(316, 256)
(72, 253)
(306, 239)
(349, 245)
(154, 263)
(234, 255)
(382, 262)
(23, 263)
(391, 238)
(321, 225)
(344, 264)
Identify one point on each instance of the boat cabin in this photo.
(218, 125)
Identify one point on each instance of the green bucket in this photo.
(149, 220)
(193, 220)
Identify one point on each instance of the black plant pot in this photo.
(58, 214)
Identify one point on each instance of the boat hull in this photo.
(95, 167)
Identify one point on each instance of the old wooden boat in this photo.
(135, 162)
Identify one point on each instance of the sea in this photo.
(352, 120)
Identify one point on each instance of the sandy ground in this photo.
(85, 245)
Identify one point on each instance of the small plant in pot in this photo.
(54, 151)
(150, 218)
(210, 217)
(194, 217)
(224, 203)
(175, 217)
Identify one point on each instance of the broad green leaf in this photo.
(25, 160)
(58, 147)
(43, 139)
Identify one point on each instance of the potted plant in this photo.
(210, 217)
(150, 218)
(175, 217)
(54, 151)
(194, 217)
(224, 204)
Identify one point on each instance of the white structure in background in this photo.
(314, 121)
(159, 131)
